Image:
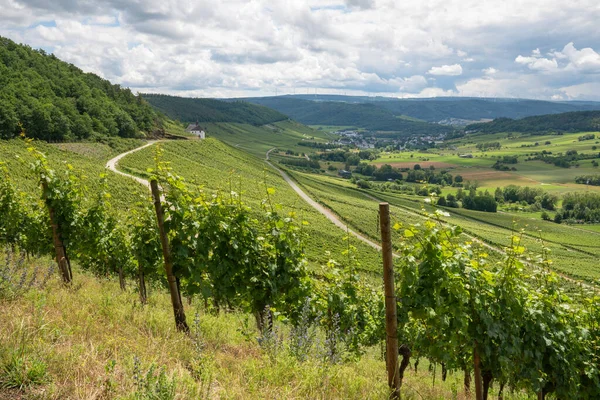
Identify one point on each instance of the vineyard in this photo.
(239, 243)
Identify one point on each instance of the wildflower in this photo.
(442, 213)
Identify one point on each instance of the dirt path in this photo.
(327, 213)
(112, 164)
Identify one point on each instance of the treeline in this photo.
(565, 160)
(300, 162)
(526, 195)
(579, 207)
(578, 121)
(53, 100)
(488, 146)
(593, 180)
(351, 158)
(317, 145)
(417, 174)
(211, 110)
(472, 200)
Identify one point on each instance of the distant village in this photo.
(369, 140)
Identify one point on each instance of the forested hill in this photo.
(582, 121)
(210, 110)
(54, 100)
(431, 109)
(362, 115)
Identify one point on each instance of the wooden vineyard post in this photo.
(164, 241)
(59, 247)
(477, 374)
(391, 321)
(142, 283)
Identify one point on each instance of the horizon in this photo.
(234, 49)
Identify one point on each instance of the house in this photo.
(197, 130)
(465, 155)
(345, 174)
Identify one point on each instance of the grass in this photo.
(93, 340)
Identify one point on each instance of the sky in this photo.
(542, 49)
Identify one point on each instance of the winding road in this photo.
(112, 164)
(327, 213)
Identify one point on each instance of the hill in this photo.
(362, 115)
(211, 110)
(582, 121)
(431, 109)
(54, 100)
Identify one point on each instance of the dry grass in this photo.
(89, 335)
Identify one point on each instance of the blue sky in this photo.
(543, 49)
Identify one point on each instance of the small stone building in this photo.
(197, 130)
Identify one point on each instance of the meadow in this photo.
(528, 173)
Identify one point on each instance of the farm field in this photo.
(528, 173)
(218, 166)
(257, 140)
(573, 251)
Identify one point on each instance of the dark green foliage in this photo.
(593, 180)
(589, 136)
(480, 202)
(580, 121)
(489, 146)
(300, 162)
(579, 207)
(317, 145)
(56, 101)
(368, 116)
(386, 172)
(211, 110)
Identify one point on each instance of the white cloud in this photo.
(538, 64)
(585, 59)
(236, 47)
(447, 70)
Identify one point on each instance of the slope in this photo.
(581, 121)
(363, 115)
(54, 100)
(211, 110)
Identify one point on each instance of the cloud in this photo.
(585, 59)
(235, 47)
(446, 70)
(538, 64)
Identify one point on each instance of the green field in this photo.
(528, 173)
(215, 166)
(257, 140)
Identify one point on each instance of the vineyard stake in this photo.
(391, 321)
(164, 241)
(59, 247)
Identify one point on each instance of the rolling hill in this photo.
(211, 110)
(581, 121)
(362, 115)
(309, 108)
(54, 100)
